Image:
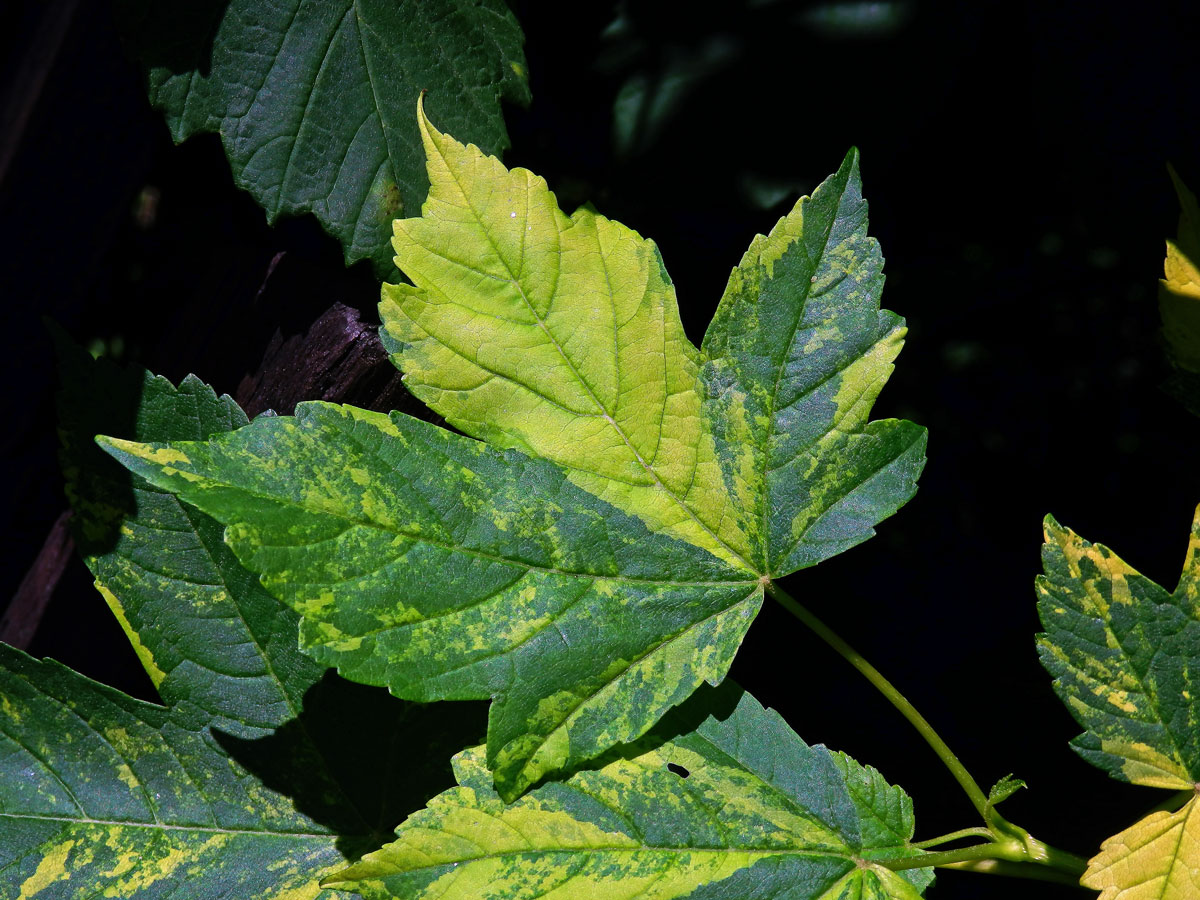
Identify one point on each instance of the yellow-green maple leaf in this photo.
(1156, 859)
(597, 545)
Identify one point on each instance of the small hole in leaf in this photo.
(678, 770)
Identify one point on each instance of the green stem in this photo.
(1009, 850)
(1009, 844)
(953, 836)
(1016, 870)
(1043, 854)
(978, 799)
(1004, 857)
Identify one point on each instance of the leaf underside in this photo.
(313, 99)
(264, 770)
(604, 552)
(722, 800)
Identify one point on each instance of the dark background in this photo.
(1014, 155)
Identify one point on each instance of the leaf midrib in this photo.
(615, 849)
(801, 308)
(162, 826)
(579, 377)
(1175, 861)
(480, 554)
(568, 720)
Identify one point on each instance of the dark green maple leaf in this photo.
(313, 99)
(603, 552)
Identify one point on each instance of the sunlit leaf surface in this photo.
(722, 800)
(597, 545)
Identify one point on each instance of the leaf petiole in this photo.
(1001, 857)
(978, 799)
(977, 831)
(1008, 843)
(1032, 871)
(1012, 851)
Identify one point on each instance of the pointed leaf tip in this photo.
(1051, 528)
(122, 449)
(422, 118)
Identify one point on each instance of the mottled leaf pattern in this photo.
(1156, 859)
(606, 553)
(721, 801)
(793, 360)
(313, 99)
(445, 569)
(103, 795)
(1124, 653)
(264, 771)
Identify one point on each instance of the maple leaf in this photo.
(721, 800)
(1123, 652)
(602, 549)
(311, 98)
(1159, 857)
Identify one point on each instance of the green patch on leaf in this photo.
(722, 800)
(604, 552)
(313, 99)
